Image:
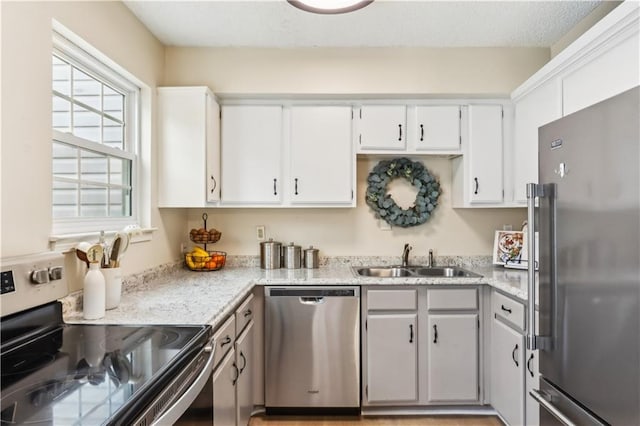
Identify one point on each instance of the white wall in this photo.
(358, 71)
(26, 118)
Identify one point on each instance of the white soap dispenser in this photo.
(93, 306)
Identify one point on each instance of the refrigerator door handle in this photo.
(541, 398)
(533, 192)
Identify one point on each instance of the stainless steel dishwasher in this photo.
(312, 350)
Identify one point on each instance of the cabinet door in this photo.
(189, 146)
(224, 392)
(541, 106)
(507, 373)
(322, 158)
(452, 360)
(532, 381)
(251, 154)
(244, 387)
(485, 153)
(392, 358)
(438, 128)
(383, 127)
(213, 149)
(610, 71)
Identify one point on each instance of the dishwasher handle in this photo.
(311, 300)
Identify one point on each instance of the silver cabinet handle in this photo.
(552, 409)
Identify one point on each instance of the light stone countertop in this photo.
(187, 297)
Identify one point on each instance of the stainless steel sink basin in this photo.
(383, 272)
(447, 271)
(413, 271)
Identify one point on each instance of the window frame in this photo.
(79, 58)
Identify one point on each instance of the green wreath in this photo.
(386, 208)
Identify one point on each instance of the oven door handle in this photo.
(177, 409)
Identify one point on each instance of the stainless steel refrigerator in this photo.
(588, 218)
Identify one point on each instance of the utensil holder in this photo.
(113, 286)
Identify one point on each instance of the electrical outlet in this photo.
(507, 227)
(260, 232)
(383, 225)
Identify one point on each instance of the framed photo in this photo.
(508, 247)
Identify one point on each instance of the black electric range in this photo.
(79, 374)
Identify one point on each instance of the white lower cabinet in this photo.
(224, 395)
(532, 381)
(452, 359)
(420, 346)
(233, 377)
(507, 370)
(244, 382)
(392, 358)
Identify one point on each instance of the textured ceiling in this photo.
(275, 23)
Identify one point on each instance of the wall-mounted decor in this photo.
(384, 205)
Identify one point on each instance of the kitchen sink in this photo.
(413, 272)
(383, 272)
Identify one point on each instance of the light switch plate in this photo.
(384, 225)
(260, 232)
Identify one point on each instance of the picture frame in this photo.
(508, 247)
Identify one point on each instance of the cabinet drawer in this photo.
(396, 300)
(459, 298)
(225, 338)
(244, 314)
(508, 309)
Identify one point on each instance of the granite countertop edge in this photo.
(181, 296)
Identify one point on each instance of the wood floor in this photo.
(377, 421)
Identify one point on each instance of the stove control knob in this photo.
(40, 276)
(55, 273)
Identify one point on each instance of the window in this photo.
(94, 150)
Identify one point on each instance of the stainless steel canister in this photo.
(311, 258)
(270, 254)
(292, 256)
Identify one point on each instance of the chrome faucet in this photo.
(405, 255)
(431, 263)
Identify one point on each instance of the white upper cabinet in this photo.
(437, 128)
(189, 147)
(322, 158)
(478, 174)
(252, 142)
(604, 73)
(601, 63)
(383, 127)
(485, 153)
(537, 108)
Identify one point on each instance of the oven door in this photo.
(182, 391)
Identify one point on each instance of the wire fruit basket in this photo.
(211, 261)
